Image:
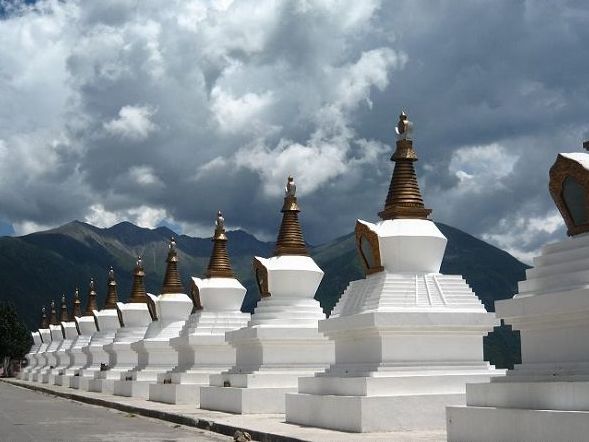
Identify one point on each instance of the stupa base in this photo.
(250, 400)
(363, 414)
(178, 394)
(137, 389)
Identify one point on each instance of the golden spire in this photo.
(172, 281)
(111, 291)
(44, 320)
(53, 315)
(138, 293)
(91, 305)
(404, 198)
(77, 308)
(290, 237)
(64, 316)
(219, 264)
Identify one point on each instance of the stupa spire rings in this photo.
(290, 237)
(219, 264)
(404, 198)
(91, 303)
(64, 316)
(111, 295)
(44, 320)
(138, 293)
(53, 315)
(76, 309)
(172, 282)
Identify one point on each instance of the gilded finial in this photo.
(290, 237)
(64, 315)
(219, 264)
(53, 315)
(172, 282)
(138, 293)
(112, 296)
(91, 303)
(404, 197)
(76, 308)
(44, 320)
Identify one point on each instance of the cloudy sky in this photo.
(162, 112)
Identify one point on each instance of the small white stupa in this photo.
(34, 356)
(58, 354)
(70, 333)
(546, 398)
(56, 337)
(201, 346)
(135, 316)
(155, 352)
(86, 326)
(407, 338)
(281, 341)
(107, 324)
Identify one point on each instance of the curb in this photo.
(203, 424)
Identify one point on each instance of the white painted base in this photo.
(486, 424)
(249, 400)
(362, 414)
(102, 385)
(179, 394)
(137, 389)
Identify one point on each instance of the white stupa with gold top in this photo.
(56, 338)
(407, 338)
(155, 352)
(34, 355)
(281, 341)
(107, 324)
(86, 327)
(135, 316)
(70, 333)
(546, 397)
(201, 346)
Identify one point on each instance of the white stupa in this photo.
(86, 327)
(70, 334)
(281, 341)
(58, 354)
(56, 337)
(155, 352)
(33, 357)
(107, 324)
(407, 338)
(546, 398)
(135, 315)
(201, 346)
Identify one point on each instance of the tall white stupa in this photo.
(86, 327)
(281, 341)
(135, 316)
(407, 338)
(155, 352)
(34, 356)
(70, 333)
(56, 337)
(107, 324)
(546, 398)
(201, 346)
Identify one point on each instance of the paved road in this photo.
(27, 415)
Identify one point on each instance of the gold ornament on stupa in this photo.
(138, 293)
(44, 319)
(290, 237)
(219, 264)
(172, 282)
(91, 303)
(53, 315)
(404, 197)
(77, 305)
(112, 296)
(64, 315)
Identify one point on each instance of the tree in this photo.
(15, 339)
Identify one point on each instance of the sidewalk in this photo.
(265, 427)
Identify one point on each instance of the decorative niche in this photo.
(261, 273)
(368, 248)
(569, 188)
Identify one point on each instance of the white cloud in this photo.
(142, 216)
(134, 123)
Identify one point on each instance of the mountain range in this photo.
(40, 267)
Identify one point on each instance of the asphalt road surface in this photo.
(27, 415)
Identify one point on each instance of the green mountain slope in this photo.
(36, 268)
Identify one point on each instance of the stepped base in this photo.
(487, 424)
(251, 400)
(102, 385)
(362, 414)
(185, 394)
(138, 389)
(81, 383)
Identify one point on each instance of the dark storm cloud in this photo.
(132, 110)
